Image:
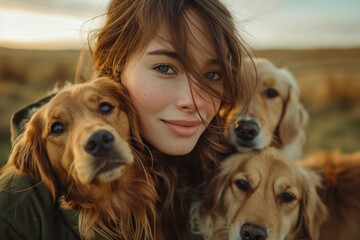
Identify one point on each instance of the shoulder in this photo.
(22, 191)
(28, 209)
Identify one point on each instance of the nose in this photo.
(251, 231)
(191, 96)
(246, 130)
(99, 143)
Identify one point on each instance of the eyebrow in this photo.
(170, 54)
(174, 55)
(214, 62)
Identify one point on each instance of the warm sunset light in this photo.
(22, 28)
(264, 24)
(275, 82)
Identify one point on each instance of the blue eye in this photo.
(212, 75)
(105, 108)
(57, 128)
(164, 69)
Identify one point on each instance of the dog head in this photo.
(80, 136)
(259, 195)
(274, 116)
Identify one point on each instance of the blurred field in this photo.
(329, 81)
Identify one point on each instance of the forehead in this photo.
(75, 94)
(197, 46)
(199, 35)
(79, 96)
(269, 74)
(264, 165)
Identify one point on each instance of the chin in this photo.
(177, 147)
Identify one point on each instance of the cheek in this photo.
(234, 199)
(146, 93)
(58, 153)
(210, 109)
(290, 219)
(216, 105)
(147, 103)
(274, 109)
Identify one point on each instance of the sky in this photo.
(264, 24)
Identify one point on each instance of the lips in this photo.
(182, 128)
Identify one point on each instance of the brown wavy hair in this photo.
(129, 27)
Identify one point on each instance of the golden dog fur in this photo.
(275, 115)
(341, 177)
(259, 195)
(105, 180)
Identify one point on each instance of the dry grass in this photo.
(334, 127)
(329, 81)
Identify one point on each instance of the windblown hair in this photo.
(130, 26)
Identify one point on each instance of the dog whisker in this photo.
(222, 233)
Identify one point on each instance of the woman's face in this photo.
(168, 105)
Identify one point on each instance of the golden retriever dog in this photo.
(259, 195)
(274, 116)
(341, 193)
(81, 145)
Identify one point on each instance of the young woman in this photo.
(180, 60)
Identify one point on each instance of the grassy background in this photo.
(329, 81)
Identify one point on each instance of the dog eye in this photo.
(106, 108)
(242, 185)
(271, 93)
(287, 197)
(57, 128)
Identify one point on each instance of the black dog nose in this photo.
(250, 231)
(99, 143)
(246, 130)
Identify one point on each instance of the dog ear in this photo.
(294, 118)
(22, 116)
(313, 212)
(29, 156)
(202, 212)
(215, 189)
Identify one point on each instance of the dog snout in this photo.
(99, 143)
(251, 231)
(246, 130)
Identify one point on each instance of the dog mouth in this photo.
(109, 169)
(103, 169)
(107, 154)
(109, 165)
(246, 144)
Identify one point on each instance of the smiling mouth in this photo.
(183, 128)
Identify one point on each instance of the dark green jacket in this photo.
(28, 211)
